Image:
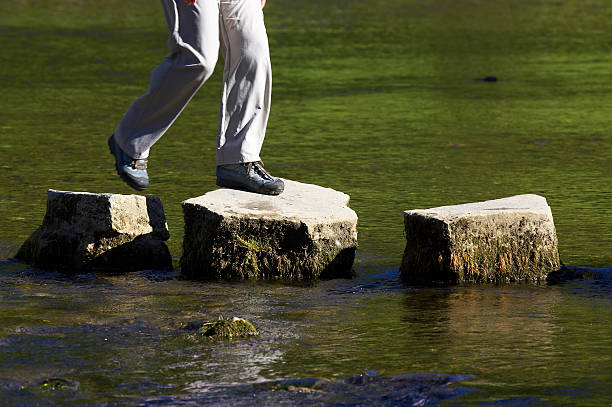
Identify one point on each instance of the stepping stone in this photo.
(85, 231)
(509, 239)
(307, 232)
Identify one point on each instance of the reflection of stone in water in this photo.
(478, 330)
(504, 314)
(28, 392)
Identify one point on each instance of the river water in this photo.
(379, 99)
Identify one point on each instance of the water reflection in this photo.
(487, 325)
(122, 334)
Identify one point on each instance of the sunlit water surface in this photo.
(379, 99)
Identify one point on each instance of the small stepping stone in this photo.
(509, 239)
(307, 232)
(108, 232)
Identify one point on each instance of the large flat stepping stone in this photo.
(509, 239)
(307, 232)
(85, 231)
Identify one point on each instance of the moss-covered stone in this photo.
(228, 328)
(307, 232)
(57, 384)
(510, 239)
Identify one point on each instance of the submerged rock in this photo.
(422, 389)
(489, 78)
(55, 384)
(568, 273)
(305, 233)
(509, 239)
(85, 231)
(228, 328)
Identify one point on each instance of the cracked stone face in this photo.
(306, 232)
(508, 239)
(85, 231)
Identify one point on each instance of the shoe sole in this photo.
(242, 187)
(122, 175)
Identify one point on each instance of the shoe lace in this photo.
(258, 166)
(139, 163)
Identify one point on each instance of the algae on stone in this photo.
(58, 383)
(228, 328)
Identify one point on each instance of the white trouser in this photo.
(194, 48)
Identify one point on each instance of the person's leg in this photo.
(247, 82)
(245, 103)
(194, 48)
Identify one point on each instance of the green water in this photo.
(373, 98)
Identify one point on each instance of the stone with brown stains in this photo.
(502, 240)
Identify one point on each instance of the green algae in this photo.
(228, 329)
(58, 384)
(252, 246)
